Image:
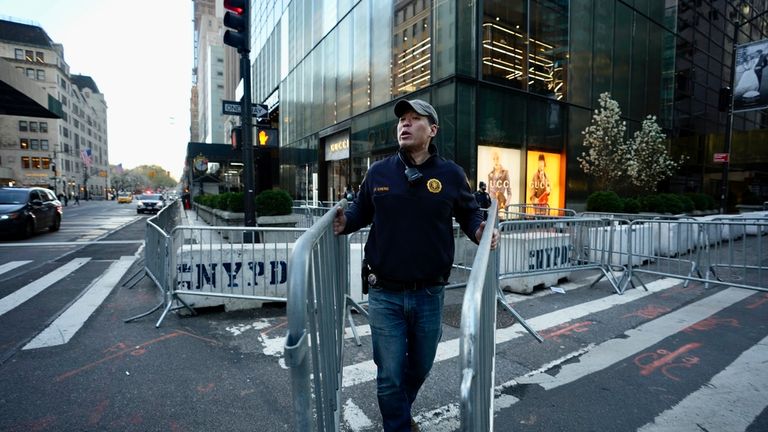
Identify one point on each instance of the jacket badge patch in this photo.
(434, 185)
(381, 189)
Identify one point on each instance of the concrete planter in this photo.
(223, 218)
(282, 221)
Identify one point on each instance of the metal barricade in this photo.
(720, 250)
(478, 333)
(318, 299)
(156, 251)
(522, 211)
(533, 248)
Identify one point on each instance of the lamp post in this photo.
(737, 25)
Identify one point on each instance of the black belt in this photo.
(391, 285)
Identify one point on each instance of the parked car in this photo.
(124, 197)
(25, 211)
(149, 203)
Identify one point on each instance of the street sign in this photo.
(233, 108)
(720, 158)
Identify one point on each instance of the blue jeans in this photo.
(405, 329)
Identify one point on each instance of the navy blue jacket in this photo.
(411, 239)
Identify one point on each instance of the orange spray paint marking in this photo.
(205, 388)
(710, 323)
(650, 312)
(665, 360)
(567, 330)
(758, 302)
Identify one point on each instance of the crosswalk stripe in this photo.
(643, 336)
(12, 265)
(72, 319)
(366, 371)
(731, 400)
(32, 289)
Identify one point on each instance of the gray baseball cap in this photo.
(418, 106)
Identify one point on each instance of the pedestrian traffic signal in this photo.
(236, 136)
(237, 20)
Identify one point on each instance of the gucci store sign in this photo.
(337, 146)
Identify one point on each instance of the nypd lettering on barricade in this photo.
(547, 258)
(229, 275)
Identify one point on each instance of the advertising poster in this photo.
(544, 185)
(750, 86)
(499, 169)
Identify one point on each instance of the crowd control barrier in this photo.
(156, 255)
(318, 299)
(719, 250)
(541, 251)
(522, 211)
(478, 333)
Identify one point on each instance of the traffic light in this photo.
(236, 136)
(237, 20)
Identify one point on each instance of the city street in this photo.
(639, 361)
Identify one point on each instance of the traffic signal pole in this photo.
(247, 142)
(239, 22)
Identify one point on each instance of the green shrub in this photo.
(688, 205)
(605, 201)
(631, 205)
(235, 201)
(711, 204)
(651, 203)
(699, 200)
(273, 203)
(670, 203)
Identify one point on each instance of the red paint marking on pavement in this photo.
(650, 312)
(710, 323)
(113, 356)
(205, 388)
(282, 324)
(175, 427)
(664, 360)
(691, 288)
(98, 413)
(756, 303)
(36, 425)
(564, 330)
(120, 349)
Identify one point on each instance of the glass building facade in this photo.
(515, 83)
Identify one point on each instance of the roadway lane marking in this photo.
(72, 319)
(30, 290)
(366, 371)
(12, 265)
(731, 400)
(73, 243)
(639, 338)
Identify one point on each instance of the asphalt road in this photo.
(609, 363)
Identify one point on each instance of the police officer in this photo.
(482, 197)
(410, 197)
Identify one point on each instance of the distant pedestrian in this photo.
(77, 199)
(482, 197)
(411, 198)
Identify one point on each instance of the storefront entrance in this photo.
(336, 174)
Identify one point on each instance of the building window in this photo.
(34, 144)
(30, 73)
(22, 125)
(24, 143)
(412, 48)
(19, 54)
(25, 162)
(44, 127)
(29, 55)
(39, 57)
(36, 162)
(65, 132)
(46, 163)
(44, 144)
(41, 75)
(33, 127)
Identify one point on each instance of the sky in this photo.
(139, 53)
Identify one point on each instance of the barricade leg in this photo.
(351, 304)
(521, 320)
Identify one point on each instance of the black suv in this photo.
(25, 211)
